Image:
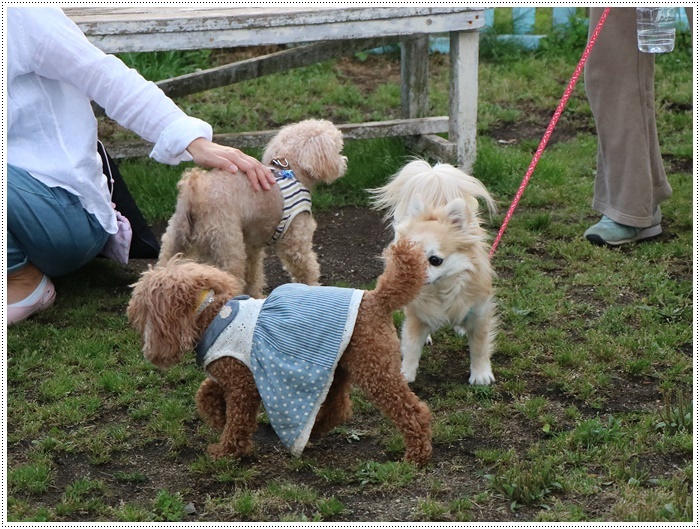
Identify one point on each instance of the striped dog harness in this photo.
(297, 199)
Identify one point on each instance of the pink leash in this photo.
(550, 129)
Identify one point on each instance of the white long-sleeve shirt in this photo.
(53, 73)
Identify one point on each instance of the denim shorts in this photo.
(48, 227)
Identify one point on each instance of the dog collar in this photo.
(205, 299)
(280, 168)
(285, 174)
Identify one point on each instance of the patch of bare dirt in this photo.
(367, 75)
(348, 242)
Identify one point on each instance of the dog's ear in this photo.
(319, 156)
(458, 213)
(472, 204)
(416, 206)
(161, 311)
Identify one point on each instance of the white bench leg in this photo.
(414, 77)
(464, 94)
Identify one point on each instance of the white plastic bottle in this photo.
(656, 29)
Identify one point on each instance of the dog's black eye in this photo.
(435, 260)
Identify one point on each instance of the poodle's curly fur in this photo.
(220, 220)
(163, 310)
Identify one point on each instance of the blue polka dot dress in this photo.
(292, 342)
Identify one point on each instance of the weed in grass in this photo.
(291, 492)
(532, 408)
(572, 413)
(676, 415)
(491, 456)
(469, 394)
(430, 510)
(386, 475)
(651, 505)
(297, 464)
(394, 444)
(496, 50)
(30, 478)
(245, 503)
(525, 483)
(131, 477)
(168, 507)
(57, 387)
(437, 487)
(330, 507)
(117, 383)
(240, 503)
(168, 421)
(632, 473)
(84, 496)
(351, 435)
(454, 427)
(334, 476)
(681, 444)
(224, 470)
(131, 514)
(593, 432)
(20, 511)
(538, 223)
(639, 367)
(562, 512)
(461, 509)
(53, 442)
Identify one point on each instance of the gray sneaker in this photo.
(609, 233)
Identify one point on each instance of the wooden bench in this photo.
(319, 33)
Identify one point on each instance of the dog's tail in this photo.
(438, 185)
(404, 275)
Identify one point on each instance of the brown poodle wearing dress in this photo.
(166, 310)
(220, 220)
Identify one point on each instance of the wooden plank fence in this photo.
(318, 33)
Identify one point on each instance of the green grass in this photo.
(591, 416)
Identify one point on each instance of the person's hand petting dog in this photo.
(208, 154)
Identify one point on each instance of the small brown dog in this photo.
(220, 220)
(184, 305)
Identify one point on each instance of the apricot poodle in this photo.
(220, 220)
(311, 342)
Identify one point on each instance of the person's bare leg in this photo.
(21, 283)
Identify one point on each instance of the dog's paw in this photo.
(420, 456)
(216, 451)
(482, 378)
(429, 340)
(221, 450)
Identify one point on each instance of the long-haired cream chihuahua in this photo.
(437, 208)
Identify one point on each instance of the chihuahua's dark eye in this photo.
(435, 260)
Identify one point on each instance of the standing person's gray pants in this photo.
(630, 180)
